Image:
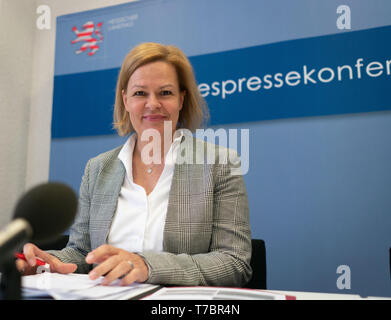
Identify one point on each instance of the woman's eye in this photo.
(139, 93)
(166, 92)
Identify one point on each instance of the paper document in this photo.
(79, 286)
(214, 293)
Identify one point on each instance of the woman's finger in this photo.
(101, 253)
(123, 268)
(21, 265)
(32, 252)
(63, 268)
(29, 251)
(133, 276)
(139, 273)
(56, 265)
(105, 267)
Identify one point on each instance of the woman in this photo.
(144, 215)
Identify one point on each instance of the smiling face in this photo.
(153, 96)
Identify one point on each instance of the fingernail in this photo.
(92, 275)
(90, 257)
(32, 262)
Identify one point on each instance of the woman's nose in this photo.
(153, 101)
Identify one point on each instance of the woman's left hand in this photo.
(115, 263)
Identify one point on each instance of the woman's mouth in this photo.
(154, 117)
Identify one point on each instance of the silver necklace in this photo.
(149, 170)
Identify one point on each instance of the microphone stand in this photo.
(10, 286)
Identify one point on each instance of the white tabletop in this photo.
(300, 295)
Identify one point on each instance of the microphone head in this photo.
(50, 209)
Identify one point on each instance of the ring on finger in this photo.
(131, 264)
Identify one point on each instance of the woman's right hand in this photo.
(31, 252)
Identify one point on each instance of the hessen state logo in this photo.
(90, 35)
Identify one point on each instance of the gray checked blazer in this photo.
(207, 238)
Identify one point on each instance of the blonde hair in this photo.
(194, 111)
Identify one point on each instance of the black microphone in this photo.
(41, 215)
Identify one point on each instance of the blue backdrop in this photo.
(314, 98)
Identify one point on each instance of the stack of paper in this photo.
(214, 293)
(78, 287)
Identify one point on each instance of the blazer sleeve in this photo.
(228, 261)
(79, 241)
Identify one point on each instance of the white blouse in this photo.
(139, 219)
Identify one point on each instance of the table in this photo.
(301, 295)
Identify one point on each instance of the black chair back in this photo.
(258, 264)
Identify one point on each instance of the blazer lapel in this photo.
(105, 199)
(176, 230)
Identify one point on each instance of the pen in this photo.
(39, 262)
